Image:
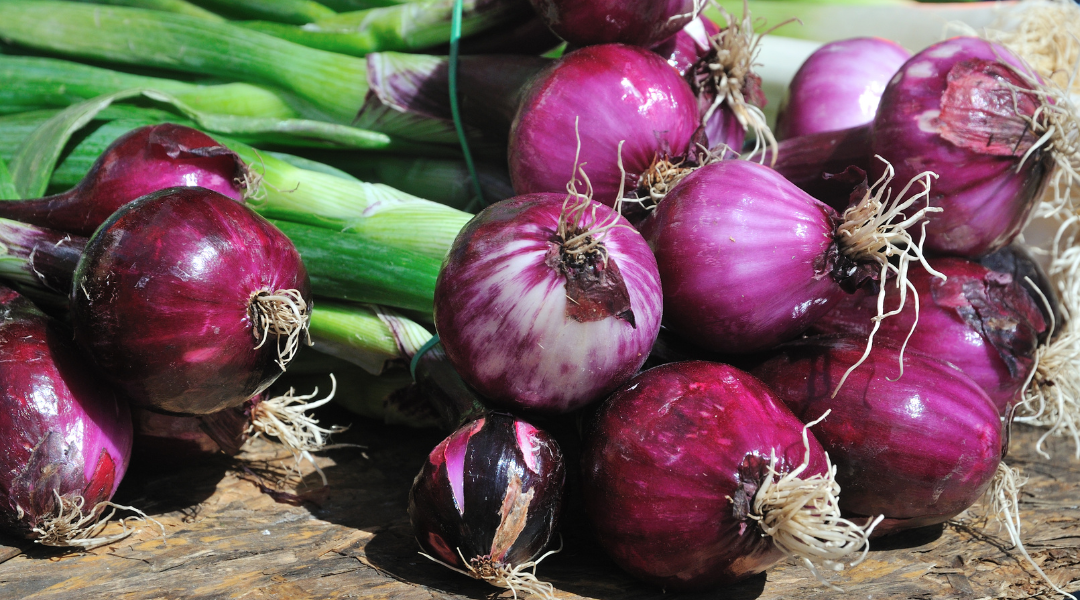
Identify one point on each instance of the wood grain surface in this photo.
(228, 539)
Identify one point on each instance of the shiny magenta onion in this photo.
(548, 302)
(634, 22)
(190, 302)
(696, 475)
(918, 449)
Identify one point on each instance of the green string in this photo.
(455, 42)
(428, 345)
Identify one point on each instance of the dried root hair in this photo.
(284, 314)
(70, 527)
(802, 516)
(1003, 499)
(734, 52)
(579, 207)
(1051, 397)
(518, 579)
(286, 418)
(699, 5)
(876, 229)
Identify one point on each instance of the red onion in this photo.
(142, 161)
(919, 448)
(689, 45)
(547, 302)
(189, 301)
(67, 436)
(486, 502)
(748, 260)
(635, 22)
(972, 112)
(839, 86)
(984, 322)
(169, 441)
(819, 163)
(606, 101)
(690, 473)
(1017, 262)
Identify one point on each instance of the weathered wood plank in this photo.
(226, 539)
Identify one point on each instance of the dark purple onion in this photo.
(530, 327)
(819, 163)
(918, 449)
(169, 440)
(1015, 261)
(689, 45)
(614, 93)
(167, 298)
(488, 498)
(671, 467)
(142, 161)
(984, 322)
(64, 431)
(634, 22)
(950, 109)
(839, 86)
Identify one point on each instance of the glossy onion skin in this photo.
(986, 199)
(984, 323)
(689, 45)
(617, 93)
(918, 450)
(63, 429)
(142, 161)
(741, 254)
(634, 22)
(501, 310)
(161, 299)
(839, 86)
(457, 499)
(665, 457)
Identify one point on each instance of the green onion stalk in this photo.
(331, 85)
(181, 7)
(411, 26)
(295, 12)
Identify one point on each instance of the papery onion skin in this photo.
(634, 22)
(839, 86)
(162, 294)
(502, 311)
(615, 93)
(1015, 260)
(65, 431)
(689, 45)
(986, 194)
(457, 501)
(139, 162)
(740, 252)
(673, 457)
(983, 322)
(919, 449)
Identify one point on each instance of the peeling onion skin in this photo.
(634, 22)
(64, 430)
(986, 199)
(983, 322)
(739, 250)
(142, 161)
(502, 311)
(161, 299)
(1015, 261)
(664, 458)
(618, 93)
(839, 86)
(457, 498)
(918, 450)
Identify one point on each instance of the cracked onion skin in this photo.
(162, 294)
(983, 322)
(64, 430)
(950, 110)
(671, 464)
(493, 490)
(140, 162)
(918, 450)
(507, 323)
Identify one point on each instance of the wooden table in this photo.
(227, 539)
